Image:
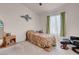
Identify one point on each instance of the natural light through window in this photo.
(55, 25)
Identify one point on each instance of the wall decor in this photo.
(26, 17)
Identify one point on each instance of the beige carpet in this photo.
(26, 48)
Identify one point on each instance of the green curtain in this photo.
(48, 25)
(62, 33)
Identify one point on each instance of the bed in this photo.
(45, 41)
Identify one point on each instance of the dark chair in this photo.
(75, 41)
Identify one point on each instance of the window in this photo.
(55, 25)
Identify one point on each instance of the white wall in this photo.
(43, 20)
(72, 18)
(14, 24)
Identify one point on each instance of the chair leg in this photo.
(74, 49)
(64, 46)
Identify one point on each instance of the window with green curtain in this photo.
(62, 33)
(48, 25)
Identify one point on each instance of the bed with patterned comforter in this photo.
(42, 40)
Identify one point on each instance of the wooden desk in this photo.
(9, 40)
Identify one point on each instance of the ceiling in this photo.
(46, 7)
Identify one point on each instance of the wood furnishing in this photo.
(9, 40)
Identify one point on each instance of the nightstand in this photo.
(9, 40)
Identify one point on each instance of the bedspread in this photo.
(42, 40)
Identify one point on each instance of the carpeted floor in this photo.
(26, 48)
